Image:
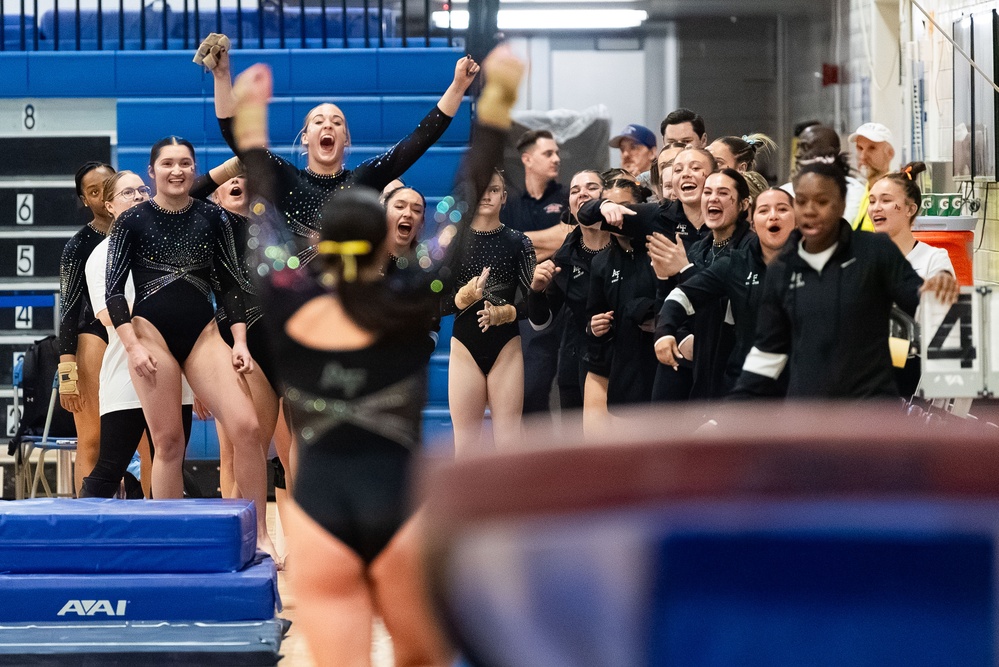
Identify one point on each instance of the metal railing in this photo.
(87, 25)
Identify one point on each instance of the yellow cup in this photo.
(899, 348)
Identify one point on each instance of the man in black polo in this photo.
(543, 199)
(538, 212)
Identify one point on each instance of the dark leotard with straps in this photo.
(355, 413)
(76, 315)
(510, 258)
(174, 257)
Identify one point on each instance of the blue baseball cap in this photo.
(638, 134)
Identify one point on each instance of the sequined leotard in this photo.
(510, 258)
(301, 193)
(356, 413)
(76, 315)
(172, 256)
(256, 339)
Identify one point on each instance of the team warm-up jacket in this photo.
(622, 281)
(738, 277)
(831, 329)
(666, 217)
(569, 287)
(713, 337)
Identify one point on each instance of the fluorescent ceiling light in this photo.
(551, 19)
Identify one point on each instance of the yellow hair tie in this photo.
(348, 250)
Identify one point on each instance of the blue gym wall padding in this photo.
(96, 535)
(328, 73)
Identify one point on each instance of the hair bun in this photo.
(913, 169)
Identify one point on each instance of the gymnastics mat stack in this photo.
(95, 581)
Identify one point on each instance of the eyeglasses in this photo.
(129, 193)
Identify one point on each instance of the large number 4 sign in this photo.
(944, 345)
(957, 345)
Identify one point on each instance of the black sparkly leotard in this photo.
(366, 404)
(172, 257)
(256, 339)
(509, 254)
(301, 193)
(76, 315)
(356, 413)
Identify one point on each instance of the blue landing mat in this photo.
(248, 595)
(92, 535)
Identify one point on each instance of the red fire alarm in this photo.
(830, 74)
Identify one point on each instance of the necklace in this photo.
(328, 177)
(93, 227)
(185, 209)
(721, 244)
(590, 251)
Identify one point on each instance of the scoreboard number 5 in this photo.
(25, 260)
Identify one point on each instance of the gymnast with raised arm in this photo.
(355, 384)
(325, 136)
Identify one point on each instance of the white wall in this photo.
(634, 79)
(622, 95)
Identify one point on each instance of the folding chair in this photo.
(25, 482)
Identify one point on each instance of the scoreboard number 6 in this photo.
(25, 213)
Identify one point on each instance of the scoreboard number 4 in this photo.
(23, 317)
(963, 348)
(956, 346)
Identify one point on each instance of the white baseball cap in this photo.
(876, 132)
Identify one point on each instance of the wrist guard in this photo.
(68, 379)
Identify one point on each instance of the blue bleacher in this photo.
(12, 31)
(249, 23)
